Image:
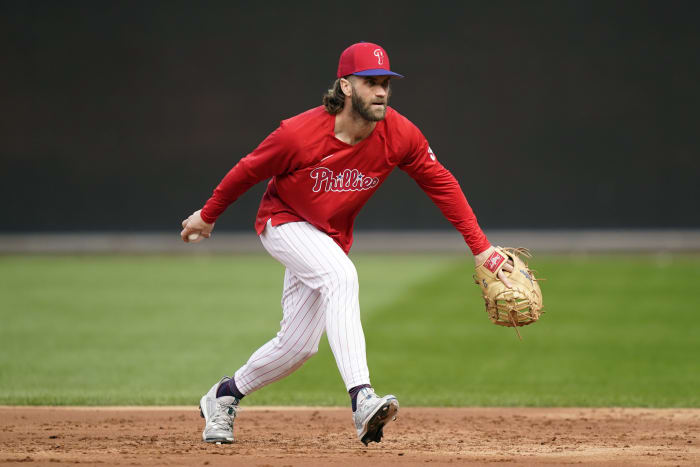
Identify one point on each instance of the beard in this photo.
(365, 109)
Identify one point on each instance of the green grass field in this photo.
(619, 331)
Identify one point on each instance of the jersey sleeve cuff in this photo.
(478, 249)
(206, 218)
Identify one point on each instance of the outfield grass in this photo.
(620, 330)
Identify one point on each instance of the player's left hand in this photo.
(194, 229)
(508, 267)
(512, 305)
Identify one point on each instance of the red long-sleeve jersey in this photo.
(319, 179)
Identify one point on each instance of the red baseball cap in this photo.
(364, 59)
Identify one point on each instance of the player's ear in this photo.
(346, 86)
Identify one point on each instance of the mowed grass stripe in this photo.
(160, 330)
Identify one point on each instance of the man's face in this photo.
(370, 96)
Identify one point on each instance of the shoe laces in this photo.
(223, 416)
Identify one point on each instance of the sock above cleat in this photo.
(353, 394)
(229, 388)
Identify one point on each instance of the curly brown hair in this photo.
(334, 98)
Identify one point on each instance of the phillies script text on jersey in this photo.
(347, 180)
(317, 178)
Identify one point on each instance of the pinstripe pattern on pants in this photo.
(321, 292)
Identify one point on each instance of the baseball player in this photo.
(323, 165)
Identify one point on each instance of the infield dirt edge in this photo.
(311, 436)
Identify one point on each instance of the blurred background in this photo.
(123, 116)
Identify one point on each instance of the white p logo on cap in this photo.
(380, 56)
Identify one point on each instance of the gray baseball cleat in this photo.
(373, 412)
(218, 414)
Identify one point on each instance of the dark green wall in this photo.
(125, 115)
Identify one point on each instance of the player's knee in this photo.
(342, 276)
(306, 353)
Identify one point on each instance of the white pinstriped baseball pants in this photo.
(321, 292)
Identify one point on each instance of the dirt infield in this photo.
(324, 436)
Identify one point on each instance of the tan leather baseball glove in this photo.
(512, 307)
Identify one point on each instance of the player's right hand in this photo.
(194, 229)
